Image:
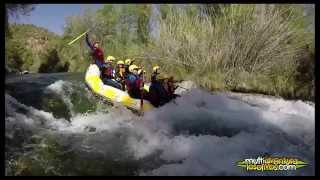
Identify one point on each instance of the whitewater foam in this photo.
(198, 134)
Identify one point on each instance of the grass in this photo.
(253, 48)
(250, 48)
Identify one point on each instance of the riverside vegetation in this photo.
(264, 49)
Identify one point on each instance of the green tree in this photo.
(15, 10)
(164, 10)
(143, 30)
(53, 63)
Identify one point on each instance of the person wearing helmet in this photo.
(108, 73)
(96, 52)
(171, 88)
(157, 92)
(110, 59)
(141, 75)
(134, 82)
(127, 63)
(154, 87)
(141, 72)
(108, 70)
(120, 74)
(155, 73)
(164, 89)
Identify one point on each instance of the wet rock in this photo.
(184, 87)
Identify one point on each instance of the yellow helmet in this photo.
(120, 63)
(132, 67)
(155, 68)
(163, 76)
(110, 58)
(141, 70)
(128, 62)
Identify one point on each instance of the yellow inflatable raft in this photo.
(114, 95)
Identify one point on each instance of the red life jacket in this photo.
(138, 83)
(135, 85)
(98, 55)
(108, 71)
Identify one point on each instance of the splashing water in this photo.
(198, 134)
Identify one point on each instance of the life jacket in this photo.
(108, 71)
(154, 77)
(133, 83)
(157, 94)
(154, 96)
(98, 54)
(120, 77)
(120, 74)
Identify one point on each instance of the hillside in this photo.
(32, 48)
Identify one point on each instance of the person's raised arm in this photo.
(88, 42)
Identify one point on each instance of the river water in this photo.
(55, 126)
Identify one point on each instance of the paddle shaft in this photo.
(78, 37)
(142, 89)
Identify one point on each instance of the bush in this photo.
(53, 63)
(251, 48)
(262, 41)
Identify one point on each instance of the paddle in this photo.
(142, 89)
(71, 42)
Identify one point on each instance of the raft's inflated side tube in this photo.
(92, 78)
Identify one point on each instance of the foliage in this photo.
(260, 41)
(252, 48)
(29, 43)
(15, 10)
(53, 63)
